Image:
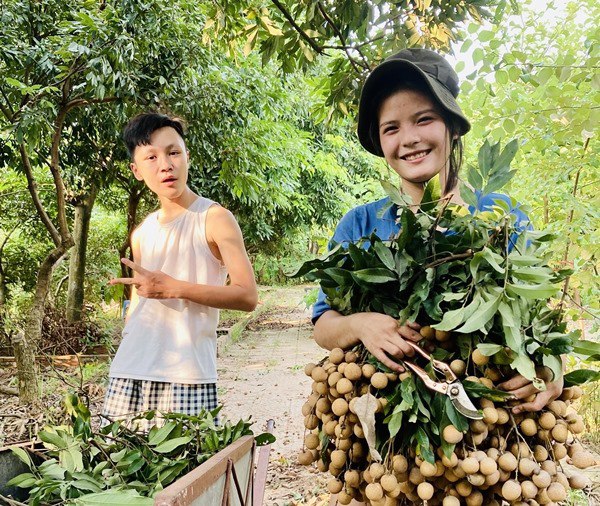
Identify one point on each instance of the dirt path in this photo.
(262, 376)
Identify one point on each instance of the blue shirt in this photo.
(363, 220)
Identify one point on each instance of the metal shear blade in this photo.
(460, 400)
(451, 386)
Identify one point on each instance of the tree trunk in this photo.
(2, 289)
(3, 330)
(25, 344)
(133, 202)
(75, 291)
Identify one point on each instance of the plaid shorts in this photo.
(126, 397)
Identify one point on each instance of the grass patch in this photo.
(267, 295)
(238, 328)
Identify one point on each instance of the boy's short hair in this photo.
(139, 129)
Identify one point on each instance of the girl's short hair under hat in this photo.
(434, 71)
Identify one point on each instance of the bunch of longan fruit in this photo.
(518, 459)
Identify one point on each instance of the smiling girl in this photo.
(408, 114)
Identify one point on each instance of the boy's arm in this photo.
(224, 233)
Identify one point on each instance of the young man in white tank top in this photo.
(182, 254)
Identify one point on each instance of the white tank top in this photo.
(173, 340)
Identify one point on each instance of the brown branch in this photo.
(296, 27)
(56, 176)
(80, 102)
(340, 36)
(449, 258)
(569, 221)
(32, 187)
(355, 47)
(435, 263)
(7, 237)
(11, 502)
(8, 391)
(6, 109)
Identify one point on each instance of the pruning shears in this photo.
(450, 386)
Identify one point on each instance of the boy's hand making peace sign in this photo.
(149, 284)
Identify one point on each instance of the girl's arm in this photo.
(381, 334)
(522, 388)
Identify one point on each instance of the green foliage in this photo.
(535, 77)
(118, 463)
(352, 36)
(265, 159)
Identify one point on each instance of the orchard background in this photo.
(269, 90)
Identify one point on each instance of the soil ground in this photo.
(262, 376)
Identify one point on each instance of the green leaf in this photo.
(25, 480)
(532, 274)
(14, 83)
(266, 438)
(554, 364)
(479, 390)
(393, 193)
(135, 466)
(158, 436)
(340, 276)
(560, 345)
(524, 365)
(477, 321)
(394, 423)
(524, 260)
(22, 455)
(590, 350)
(532, 292)
(507, 155)
(512, 327)
(498, 181)
(467, 194)
(51, 469)
(52, 438)
(117, 456)
(375, 276)
(494, 259)
(424, 447)
(71, 459)
(488, 349)
(86, 486)
(115, 498)
(172, 444)
(484, 158)
(385, 255)
(454, 318)
(448, 296)
(456, 419)
(168, 475)
(581, 376)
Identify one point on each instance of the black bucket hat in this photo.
(426, 65)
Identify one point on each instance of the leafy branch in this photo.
(118, 460)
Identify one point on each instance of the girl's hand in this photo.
(385, 337)
(521, 388)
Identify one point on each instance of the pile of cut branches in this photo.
(119, 465)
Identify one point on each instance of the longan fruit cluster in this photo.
(503, 457)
